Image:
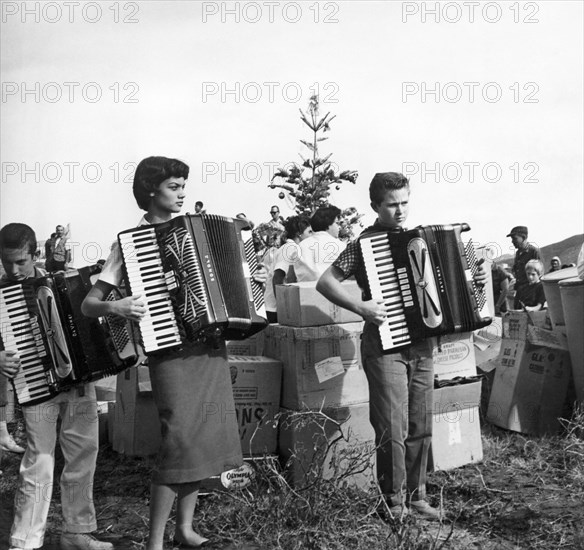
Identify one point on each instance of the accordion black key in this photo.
(195, 275)
(425, 277)
(59, 347)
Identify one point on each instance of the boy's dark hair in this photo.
(199, 203)
(324, 217)
(383, 182)
(151, 172)
(18, 236)
(294, 226)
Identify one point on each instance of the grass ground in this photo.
(527, 493)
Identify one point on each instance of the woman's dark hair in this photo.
(324, 217)
(151, 172)
(384, 182)
(18, 236)
(294, 226)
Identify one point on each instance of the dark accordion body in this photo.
(425, 277)
(194, 274)
(59, 347)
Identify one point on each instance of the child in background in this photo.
(78, 435)
(532, 296)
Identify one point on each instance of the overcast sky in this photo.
(480, 103)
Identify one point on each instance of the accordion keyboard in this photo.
(390, 284)
(158, 328)
(21, 333)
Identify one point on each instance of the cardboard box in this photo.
(454, 355)
(322, 365)
(487, 341)
(105, 388)
(456, 436)
(257, 383)
(253, 346)
(102, 418)
(337, 443)
(136, 428)
(300, 305)
(516, 323)
(111, 412)
(256, 389)
(531, 381)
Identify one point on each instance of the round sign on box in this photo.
(238, 478)
(453, 353)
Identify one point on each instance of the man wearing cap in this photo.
(525, 252)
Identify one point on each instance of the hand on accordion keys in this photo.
(130, 307)
(373, 311)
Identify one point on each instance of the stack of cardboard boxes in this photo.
(324, 424)
(134, 424)
(325, 397)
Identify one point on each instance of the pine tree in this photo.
(308, 185)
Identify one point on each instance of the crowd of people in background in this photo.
(301, 248)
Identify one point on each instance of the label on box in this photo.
(451, 353)
(548, 338)
(328, 368)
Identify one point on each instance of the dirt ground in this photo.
(520, 496)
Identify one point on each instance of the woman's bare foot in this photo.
(188, 538)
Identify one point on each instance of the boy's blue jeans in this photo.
(401, 387)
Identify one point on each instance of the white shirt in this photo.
(287, 256)
(268, 262)
(317, 253)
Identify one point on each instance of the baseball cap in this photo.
(520, 230)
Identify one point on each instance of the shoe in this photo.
(399, 511)
(83, 541)
(424, 509)
(394, 513)
(12, 447)
(203, 543)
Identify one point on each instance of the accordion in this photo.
(59, 347)
(194, 274)
(425, 277)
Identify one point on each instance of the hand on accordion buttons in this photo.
(261, 275)
(130, 307)
(480, 277)
(9, 363)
